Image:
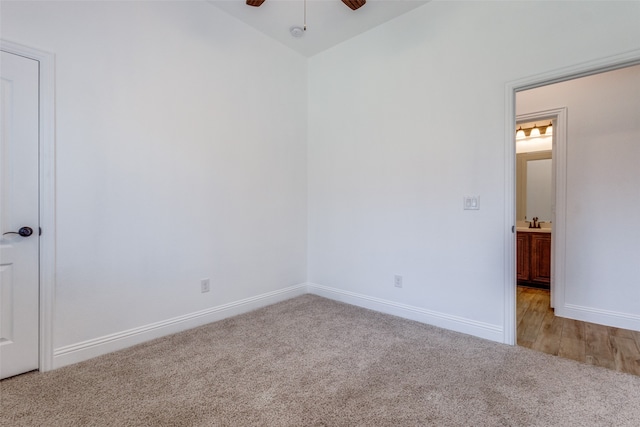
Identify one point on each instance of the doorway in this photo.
(536, 145)
(573, 309)
(600, 330)
(537, 172)
(43, 233)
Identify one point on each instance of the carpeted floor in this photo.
(311, 361)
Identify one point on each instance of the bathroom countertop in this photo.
(533, 230)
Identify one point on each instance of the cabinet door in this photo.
(522, 256)
(540, 258)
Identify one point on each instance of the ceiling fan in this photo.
(353, 4)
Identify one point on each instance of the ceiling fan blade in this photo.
(255, 3)
(353, 4)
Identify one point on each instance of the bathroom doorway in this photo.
(540, 140)
(536, 172)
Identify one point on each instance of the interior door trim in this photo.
(599, 65)
(46, 195)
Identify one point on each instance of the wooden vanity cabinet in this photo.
(533, 254)
(523, 254)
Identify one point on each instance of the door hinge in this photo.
(513, 228)
(39, 231)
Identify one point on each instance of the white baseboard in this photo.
(85, 350)
(442, 320)
(602, 317)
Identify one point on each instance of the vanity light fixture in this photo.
(534, 131)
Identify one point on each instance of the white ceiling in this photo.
(329, 22)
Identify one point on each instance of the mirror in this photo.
(534, 186)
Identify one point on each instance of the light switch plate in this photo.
(472, 203)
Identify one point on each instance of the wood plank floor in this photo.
(539, 329)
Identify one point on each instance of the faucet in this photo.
(535, 223)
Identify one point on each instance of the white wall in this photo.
(180, 155)
(601, 282)
(407, 119)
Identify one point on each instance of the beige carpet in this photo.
(310, 361)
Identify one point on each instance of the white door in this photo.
(19, 274)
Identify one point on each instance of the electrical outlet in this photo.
(205, 285)
(397, 281)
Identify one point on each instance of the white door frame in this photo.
(46, 195)
(563, 74)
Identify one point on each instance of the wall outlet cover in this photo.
(397, 281)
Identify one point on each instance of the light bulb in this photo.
(534, 132)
